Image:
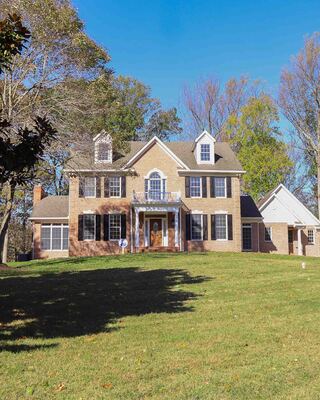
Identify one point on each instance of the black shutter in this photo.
(123, 186)
(229, 190)
(106, 227)
(123, 226)
(204, 186)
(212, 188)
(230, 233)
(205, 227)
(188, 219)
(213, 228)
(81, 186)
(98, 186)
(187, 186)
(106, 187)
(80, 227)
(98, 227)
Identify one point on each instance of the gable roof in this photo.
(289, 209)
(180, 151)
(51, 207)
(147, 146)
(249, 208)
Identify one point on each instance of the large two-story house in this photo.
(176, 196)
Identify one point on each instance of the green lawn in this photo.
(159, 326)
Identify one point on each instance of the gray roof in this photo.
(225, 159)
(249, 208)
(52, 207)
(265, 198)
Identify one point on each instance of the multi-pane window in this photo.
(114, 226)
(195, 186)
(196, 227)
(104, 152)
(220, 187)
(267, 234)
(310, 236)
(221, 226)
(115, 186)
(89, 226)
(205, 152)
(90, 186)
(54, 237)
(155, 186)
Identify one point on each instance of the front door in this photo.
(246, 237)
(156, 232)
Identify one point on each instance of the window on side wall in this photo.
(205, 152)
(54, 237)
(310, 236)
(195, 186)
(115, 186)
(114, 226)
(221, 226)
(90, 186)
(196, 227)
(268, 234)
(89, 226)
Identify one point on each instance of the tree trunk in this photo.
(5, 248)
(6, 219)
(318, 162)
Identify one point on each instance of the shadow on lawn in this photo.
(79, 303)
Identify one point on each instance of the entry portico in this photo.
(157, 220)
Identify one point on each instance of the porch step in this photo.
(160, 249)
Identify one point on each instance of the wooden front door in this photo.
(155, 232)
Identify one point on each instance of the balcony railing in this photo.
(156, 197)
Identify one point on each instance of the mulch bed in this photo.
(5, 267)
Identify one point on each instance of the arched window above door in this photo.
(155, 186)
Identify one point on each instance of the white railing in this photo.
(156, 197)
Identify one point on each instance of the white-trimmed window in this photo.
(221, 225)
(195, 186)
(54, 237)
(89, 226)
(205, 152)
(104, 152)
(115, 226)
(268, 234)
(310, 236)
(89, 186)
(115, 186)
(196, 227)
(220, 187)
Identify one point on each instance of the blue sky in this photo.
(169, 44)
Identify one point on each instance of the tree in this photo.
(122, 106)
(208, 105)
(18, 161)
(255, 137)
(300, 102)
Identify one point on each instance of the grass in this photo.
(159, 326)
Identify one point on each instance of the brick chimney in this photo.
(38, 194)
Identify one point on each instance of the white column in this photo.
(137, 230)
(299, 242)
(176, 228)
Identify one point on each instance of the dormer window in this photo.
(103, 148)
(104, 152)
(205, 152)
(204, 148)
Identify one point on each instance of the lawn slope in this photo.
(160, 326)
